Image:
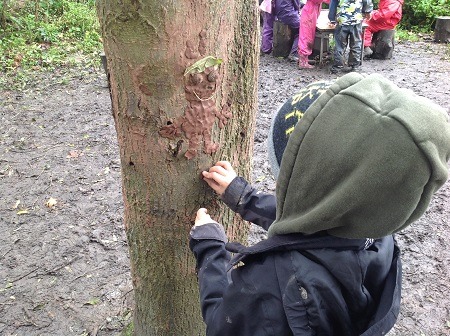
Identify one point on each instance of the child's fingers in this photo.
(216, 182)
(202, 217)
(211, 182)
(201, 212)
(226, 165)
(218, 169)
(217, 177)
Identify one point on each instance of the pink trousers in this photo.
(308, 21)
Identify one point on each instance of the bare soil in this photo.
(64, 266)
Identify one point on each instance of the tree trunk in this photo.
(383, 44)
(442, 29)
(172, 122)
(282, 39)
(3, 9)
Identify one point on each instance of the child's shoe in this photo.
(356, 67)
(293, 58)
(368, 51)
(303, 63)
(336, 69)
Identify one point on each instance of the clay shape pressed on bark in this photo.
(200, 113)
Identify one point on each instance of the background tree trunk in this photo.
(3, 10)
(282, 39)
(169, 129)
(442, 29)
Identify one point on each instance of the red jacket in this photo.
(389, 13)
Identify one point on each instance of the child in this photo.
(349, 15)
(285, 11)
(387, 16)
(266, 8)
(308, 22)
(361, 163)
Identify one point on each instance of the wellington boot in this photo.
(303, 63)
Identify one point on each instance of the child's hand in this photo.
(219, 176)
(203, 217)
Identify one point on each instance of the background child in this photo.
(361, 164)
(266, 8)
(308, 22)
(387, 16)
(349, 15)
(286, 11)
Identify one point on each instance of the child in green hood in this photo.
(361, 163)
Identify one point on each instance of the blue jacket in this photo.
(293, 284)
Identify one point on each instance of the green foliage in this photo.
(44, 34)
(406, 35)
(128, 330)
(420, 15)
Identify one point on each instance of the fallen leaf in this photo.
(260, 179)
(93, 302)
(8, 285)
(51, 202)
(74, 154)
(22, 212)
(202, 64)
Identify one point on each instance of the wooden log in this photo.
(442, 29)
(383, 43)
(282, 39)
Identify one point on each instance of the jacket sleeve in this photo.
(207, 242)
(242, 301)
(333, 10)
(367, 6)
(252, 205)
(386, 10)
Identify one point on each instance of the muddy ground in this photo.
(64, 267)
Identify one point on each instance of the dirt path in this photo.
(64, 267)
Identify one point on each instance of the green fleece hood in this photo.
(363, 161)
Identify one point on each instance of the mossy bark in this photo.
(170, 127)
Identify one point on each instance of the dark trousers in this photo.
(347, 35)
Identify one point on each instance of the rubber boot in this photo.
(303, 62)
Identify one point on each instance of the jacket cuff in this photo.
(233, 194)
(211, 230)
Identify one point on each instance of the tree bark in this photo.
(442, 29)
(282, 39)
(171, 124)
(383, 44)
(3, 9)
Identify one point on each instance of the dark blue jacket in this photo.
(293, 284)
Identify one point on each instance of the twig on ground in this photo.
(4, 254)
(25, 275)
(56, 269)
